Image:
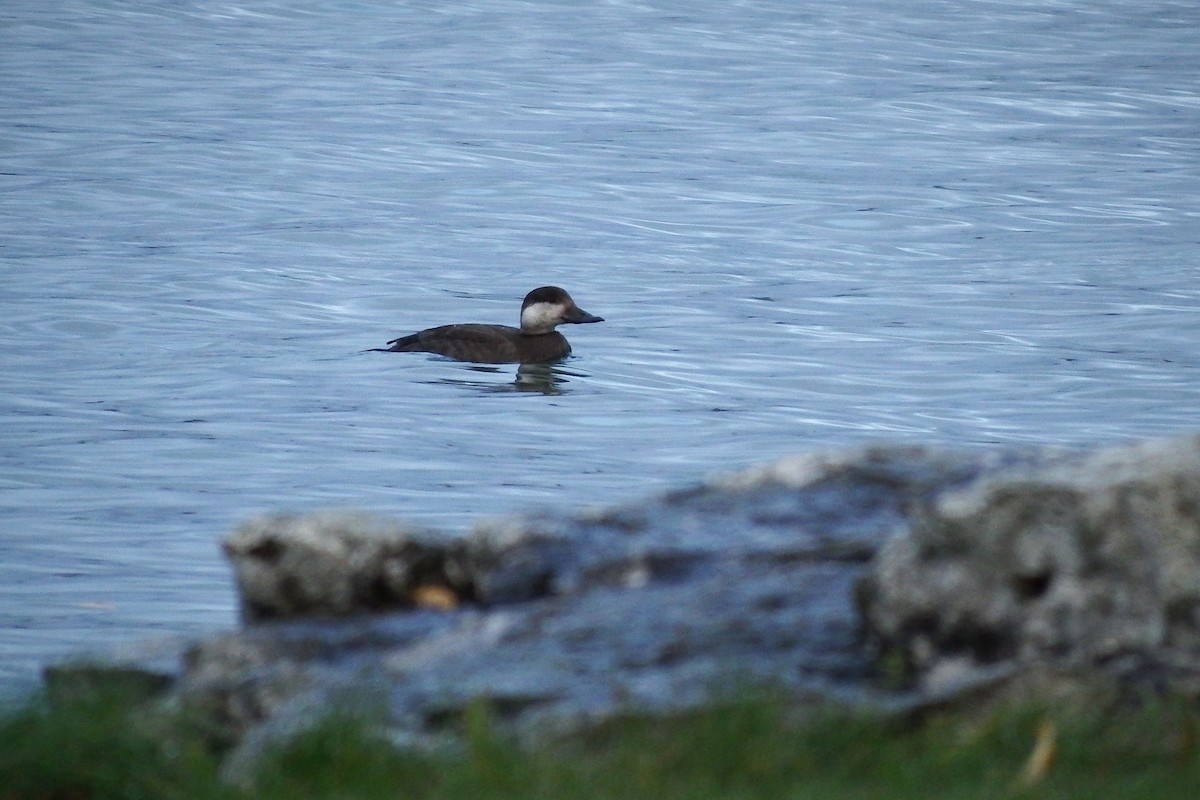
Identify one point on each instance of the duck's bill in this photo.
(579, 315)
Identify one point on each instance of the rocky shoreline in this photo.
(893, 577)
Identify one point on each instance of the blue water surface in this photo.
(807, 226)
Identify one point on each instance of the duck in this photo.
(536, 341)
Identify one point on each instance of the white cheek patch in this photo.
(540, 315)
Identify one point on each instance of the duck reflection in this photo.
(547, 379)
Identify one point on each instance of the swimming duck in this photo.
(536, 341)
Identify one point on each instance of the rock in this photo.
(552, 618)
(337, 563)
(971, 568)
(1080, 562)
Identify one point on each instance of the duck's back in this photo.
(484, 344)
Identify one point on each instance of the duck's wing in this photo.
(485, 344)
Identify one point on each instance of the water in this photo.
(807, 226)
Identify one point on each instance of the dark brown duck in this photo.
(536, 341)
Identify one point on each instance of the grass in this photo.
(108, 744)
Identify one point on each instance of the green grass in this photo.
(104, 744)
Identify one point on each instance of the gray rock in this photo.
(333, 563)
(1080, 562)
(552, 618)
(969, 566)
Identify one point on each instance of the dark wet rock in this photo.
(335, 564)
(836, 507)
(969, 568)
(1078, 563)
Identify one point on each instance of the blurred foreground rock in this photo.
(962, 572)
(1079, 563)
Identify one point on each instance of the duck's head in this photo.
(549, 306)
